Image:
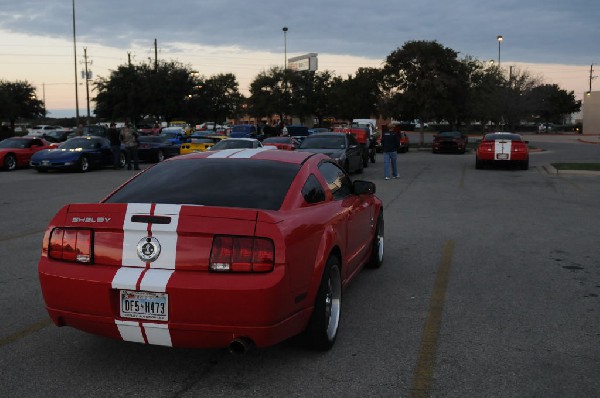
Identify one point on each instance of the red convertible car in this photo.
(502, 148)
(17, 151)
(176, 257)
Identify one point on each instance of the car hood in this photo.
(58, 154)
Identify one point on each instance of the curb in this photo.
(551, 170)
(588, 142)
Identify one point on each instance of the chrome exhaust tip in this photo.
(240, 346)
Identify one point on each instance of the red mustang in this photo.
(177, 257)
(17, 151)
(502, 148)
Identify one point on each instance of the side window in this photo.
(338, 182)
(312, 191)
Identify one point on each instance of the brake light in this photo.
(71, 244)
(242, 254)
(519, 146)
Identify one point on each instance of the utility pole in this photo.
(155, 56)
(87, 75)
(591, 77)
(75, 59)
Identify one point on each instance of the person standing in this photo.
(390, 143)
(115, 145)
(129, 139)
(79, 130)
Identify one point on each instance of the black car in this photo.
(96, 130)
(450, 141)
(156, 148)
(344, 148)
(56, 136)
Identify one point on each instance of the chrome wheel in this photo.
(10, 162)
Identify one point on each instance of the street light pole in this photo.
(500, 38)
(75, 58)
(285, 29)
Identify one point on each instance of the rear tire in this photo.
(10, 162)
(324, 322)
(525, 164)
(160, 156)
(376, 259)
(478, 163)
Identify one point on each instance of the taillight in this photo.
(519, 146)
(488, 145)
(71, 244)
(242, 254)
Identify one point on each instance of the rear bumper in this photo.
(206, 310)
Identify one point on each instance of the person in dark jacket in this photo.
(115, 145)
(390, 143)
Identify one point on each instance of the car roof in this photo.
(255, 154)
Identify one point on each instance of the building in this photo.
(591, 113)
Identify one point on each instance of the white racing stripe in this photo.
(126, 278)
(130, 331)
(225, 153)
(157, 334)
(248, 153)
(502, 149)
(134, 271)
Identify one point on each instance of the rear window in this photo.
(511, 137)
(246, 183)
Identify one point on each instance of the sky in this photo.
(555, 40)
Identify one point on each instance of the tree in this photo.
(424, 81)
(358, 96)
(218, 97)
(269, 94)
(135, 91)
(551, 103)
(18, 100)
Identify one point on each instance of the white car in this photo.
(41, 129)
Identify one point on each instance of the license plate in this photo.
(45, 162)
(144, 305)
(502, 156)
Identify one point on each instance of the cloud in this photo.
(534, 30)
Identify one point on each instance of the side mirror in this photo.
(361, 187)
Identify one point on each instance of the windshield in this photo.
(14, 143)
(233, 144)
(80, 143)
(247, 183)
(324, 142)
(450, 134)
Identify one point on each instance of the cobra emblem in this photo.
(148, 249)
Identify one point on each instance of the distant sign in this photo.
(303, 62)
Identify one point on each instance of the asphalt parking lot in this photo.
(490, 287)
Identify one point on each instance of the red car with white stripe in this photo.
(502, 148)
(177, 257)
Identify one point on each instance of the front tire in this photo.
(323, 326)
(84, 164)
(376, 259)
(10, 162)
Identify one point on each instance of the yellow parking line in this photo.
(423, 376)
(25, 332)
